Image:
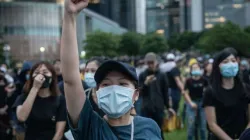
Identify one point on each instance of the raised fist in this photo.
(75, 6)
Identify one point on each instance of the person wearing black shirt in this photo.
(40, 106)
(154, 91)
(245, 73)
(176, 86)
(226, 101)
(194, 88)
(4, 113)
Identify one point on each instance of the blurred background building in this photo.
(32, 28)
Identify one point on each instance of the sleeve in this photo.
(61, 111)
(89, 123)
(175, 72)
(143, 87)
(208, 99)
(19, 101)
(164, 88)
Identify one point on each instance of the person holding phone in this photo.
(154, 91)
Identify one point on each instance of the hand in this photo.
(149, 79)
(171, 112)
(193, 105)
(75, 6)
(38, 81)
(3, 111)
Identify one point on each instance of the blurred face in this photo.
(151, 65)
(117, 78)
(91, 67)
(42, 70)
(229, 59)
(209, 68)
(195, 67)
(57, 66)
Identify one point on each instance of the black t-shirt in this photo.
(196, 88)
(171, 75)
(231, 118)
(45, 113)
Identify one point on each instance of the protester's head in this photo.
(151, 61)
(195, 70)
(57, 66)
(208, 67)
(244, 65)
(91, 66)
(225, 66)
(117, 88)
(170, 57)
(49, 73)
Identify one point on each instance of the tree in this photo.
(154, 43)
(101, 44)
(247, 29)
(225, 35)
(184, 41)
(130, 43)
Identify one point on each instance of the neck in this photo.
(124, 120)
(208, 73)
(196, 77)
(44, 92)
(228, 83)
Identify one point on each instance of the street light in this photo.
(83, 53)
(42, 49)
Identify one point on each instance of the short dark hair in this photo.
(97, 60)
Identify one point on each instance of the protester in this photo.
(244, 70)
(154, 92)
(5, 126)
(91, 67)
(176, 86)
(141, 67)
(226, 101)
(57, 66)
(194, 87)
(208, 67)
(40, 106)
(117, 90)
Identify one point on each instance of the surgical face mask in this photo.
(196, 73)
(90, 80)
(47, 82)
(27, 76)
(229, 69)
(115, 101)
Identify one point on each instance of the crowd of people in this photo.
(107, 99)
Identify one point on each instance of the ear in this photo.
(136, 95)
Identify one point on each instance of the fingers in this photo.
(40, 78)
(81, 4)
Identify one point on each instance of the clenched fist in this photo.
(75, 6)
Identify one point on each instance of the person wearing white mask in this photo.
(91, 66)
(117, 90)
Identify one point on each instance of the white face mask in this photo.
(115, 100)
(90, 80)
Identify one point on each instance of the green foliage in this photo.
(2, 59)
(247, 29)
(130, 43)
(184, 41)
(154, 43)
(101, 44)
(225, 35)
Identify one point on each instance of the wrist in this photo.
(35, 89)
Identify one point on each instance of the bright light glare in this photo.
(42, 49)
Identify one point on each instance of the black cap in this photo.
(112, 65)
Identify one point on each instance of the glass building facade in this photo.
(220, 11)
(162, 16)
(29, 26)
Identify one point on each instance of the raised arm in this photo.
(74, 92)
